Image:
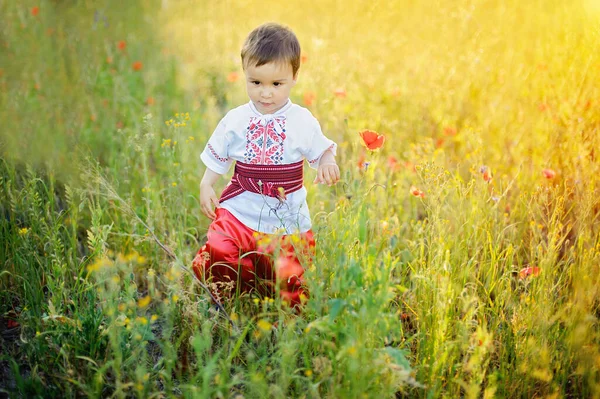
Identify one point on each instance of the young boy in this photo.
(263, 212)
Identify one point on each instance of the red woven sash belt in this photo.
(271, 180)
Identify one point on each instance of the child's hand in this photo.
(328, 173)
(208, 201)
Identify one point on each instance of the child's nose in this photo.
(266, 92)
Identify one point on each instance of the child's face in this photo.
(269, 85)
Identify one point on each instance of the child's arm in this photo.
(208, 197)
(328, 171)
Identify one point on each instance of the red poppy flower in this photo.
(529, 271)
(121, 45)
(439, 142)
(150, 101)
(35, 11)
(372, 140)
(393, 163)
(361, 161)
(340, 92)
(449, 131)
(416, 192)
(309, 98)
(233, 77)
(487, 176)
(549, 173)
(486, 173)
(137, 66)
(410, 166)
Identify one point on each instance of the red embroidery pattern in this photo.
(312, 161)
(264, 146)
(214, 153)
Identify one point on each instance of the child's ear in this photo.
(295, 79)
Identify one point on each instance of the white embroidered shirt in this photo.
(284, 137)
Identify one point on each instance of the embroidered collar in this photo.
(276, 118)
(279, 112)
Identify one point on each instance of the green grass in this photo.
(410, 296)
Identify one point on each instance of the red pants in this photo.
(253, 260)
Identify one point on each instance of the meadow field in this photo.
(461, 259)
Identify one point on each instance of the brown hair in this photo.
(271, 42)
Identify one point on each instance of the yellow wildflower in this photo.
(174, 184)
(303, 298)
(264, 325)
(99, 264)
(145, 301)
(175, 298)
(23, 231)
(131, 256)
(151, 273)
(153, 318)
(141, 320)
(308, 372)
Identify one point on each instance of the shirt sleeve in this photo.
(216, 153)
(318, 144)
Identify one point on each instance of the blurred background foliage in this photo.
(485, 285)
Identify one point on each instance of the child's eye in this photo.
(255, 82)
(276, 84)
